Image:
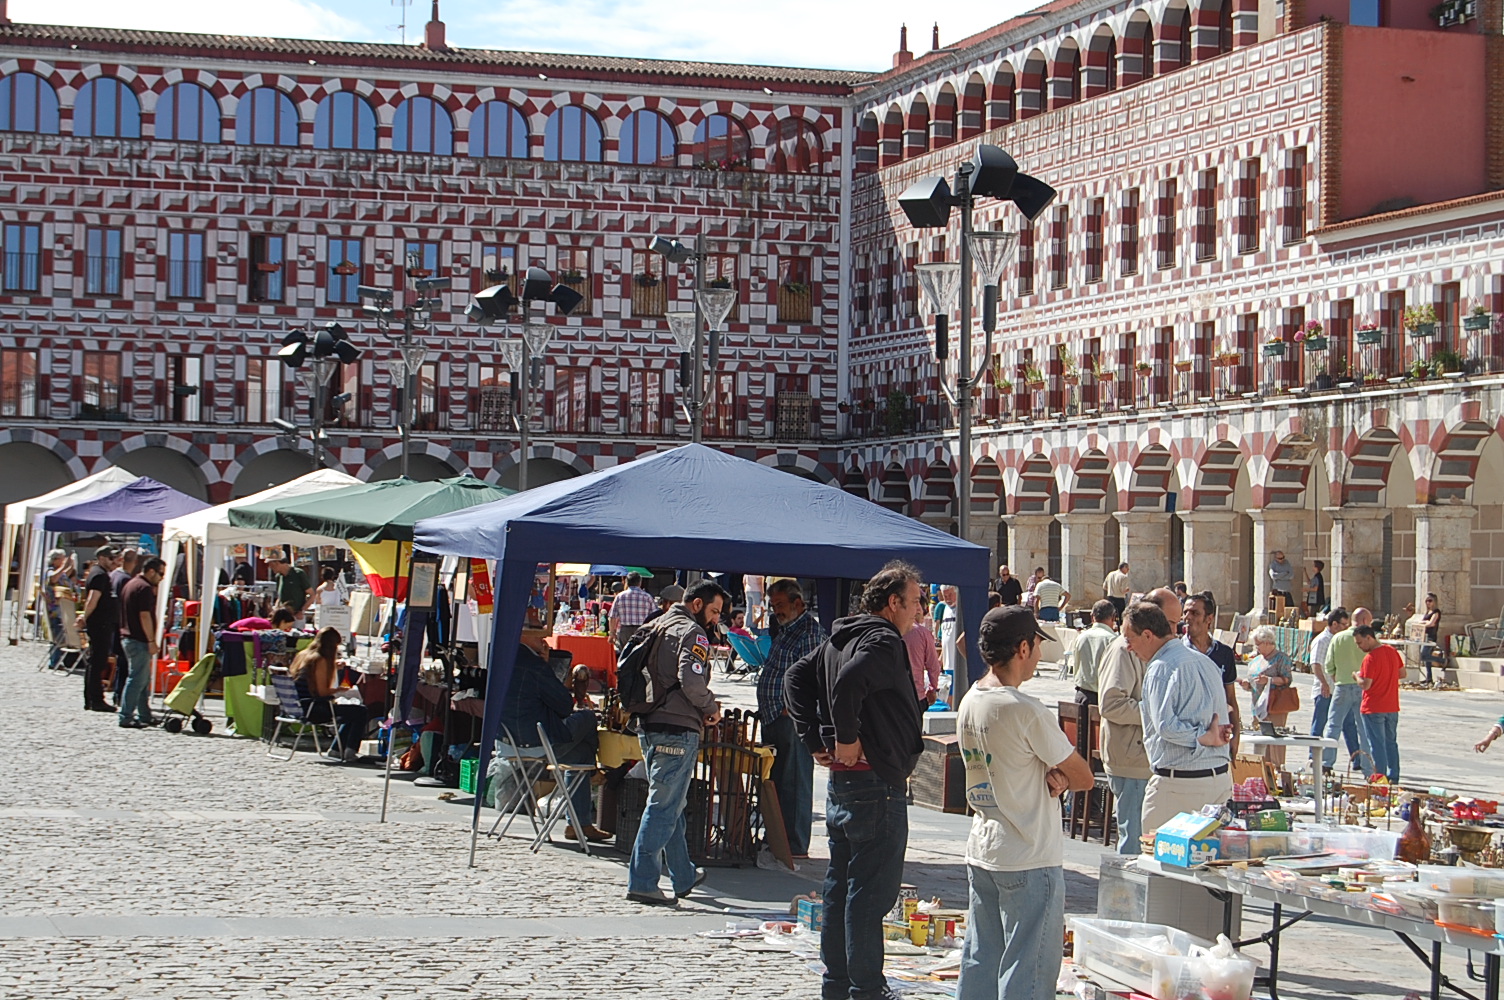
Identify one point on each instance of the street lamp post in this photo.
(323, 352)
(689, 329)
(928, 204)
(417, 310)
(519, 354)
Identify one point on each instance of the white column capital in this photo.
(1443, 512)
(1356, 513)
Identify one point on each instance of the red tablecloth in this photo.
(594, 651)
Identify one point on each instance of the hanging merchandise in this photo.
(480, 587)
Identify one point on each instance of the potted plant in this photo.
(1477, 319)
(269, 265)
(1448, 361)
(1101, 372)
(1420, 321)
(572, 277)
(1143, 368)
(346, 268)
(1420, 369)
(897, 416)
(1321, 380)
(1183, 365)
(795, 287)
(1033, 378)
(843, 406)
(719, 283)
(1005, 386)
(1275, 347)
(1070, 371)
(1369, 331)
(1314, 336)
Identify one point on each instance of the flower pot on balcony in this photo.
(1373, 336)
(844, 407)
(1322, 381)
(1274, 350)
(1106, 376)
(269, 266)
(1072, 379)
(1314, 344)
(1423, 331)
(1036, 386)
(1184, 366)
(345, 269)
(1477, 322)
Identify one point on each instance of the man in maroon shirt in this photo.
(138, 634)
(1380, 676)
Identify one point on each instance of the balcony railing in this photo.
(102, 276)
(793, 416)
(23, 272)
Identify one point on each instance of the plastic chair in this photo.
(290, 711)
(567, 778)
(529, 766)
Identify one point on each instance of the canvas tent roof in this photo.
(138, 506)
(212, 524)
(369, 512)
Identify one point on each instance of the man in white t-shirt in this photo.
(1018, 762)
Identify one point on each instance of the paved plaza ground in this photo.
(145, 864)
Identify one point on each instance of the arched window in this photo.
(498, 129)
(721, 142)
(647, 138)
(572, 134)
(107, 109)
(423, 126)
(266, 117)
(187, 112)
(796, 149)
(28, 104)
(344, 121)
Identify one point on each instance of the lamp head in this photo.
(671, 250)
(565, 299)
(992, 172)
(432, 284)
(927, 203)
(294, 349)
(1032, 196)
(492, 303)
(185, 391)
(380, 296)
(285, 426)
(536, 284)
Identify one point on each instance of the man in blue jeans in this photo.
(138, 636)
(793, 777)
(1344, 659)
(852, 702)
(670, 736)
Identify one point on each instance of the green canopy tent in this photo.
(376, 520)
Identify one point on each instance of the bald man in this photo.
(1120, 686)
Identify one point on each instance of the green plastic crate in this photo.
(467, 774)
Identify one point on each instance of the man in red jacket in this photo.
(852, 702)
(1380, 676)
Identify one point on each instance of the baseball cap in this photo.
(673, 592)
(1009, 625)
(106, 552)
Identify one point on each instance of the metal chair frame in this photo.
(530, 765)
(567, 778)
(291, 712)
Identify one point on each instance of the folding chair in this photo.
(529, 766)
(567, 778)
(752, 652)
(290, 712)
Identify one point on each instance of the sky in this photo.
(828, 34)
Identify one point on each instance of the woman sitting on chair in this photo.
(314, 671)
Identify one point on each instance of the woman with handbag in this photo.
(1270, 679)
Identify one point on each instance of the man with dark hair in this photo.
(670, 738)
(994, 600)
(1117, 587)
(1120, 687)
(1380, 677)
(1091, 650)
(1321, 687)
(100, 620)
(119, 577)
(853, 705)
(1008, 587)
(1183, 707)
(138, 605)
(1200, 617)
(294, 592)
(629, 609)
(793, 776)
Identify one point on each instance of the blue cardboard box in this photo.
(1188, 840)
(812, 914)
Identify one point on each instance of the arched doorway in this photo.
(420, 468)
(540, 472)
(172, 468)
(28, 470)
(272, 468)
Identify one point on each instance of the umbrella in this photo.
(371, 512)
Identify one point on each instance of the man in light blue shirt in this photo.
(1184, 709)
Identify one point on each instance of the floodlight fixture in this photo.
(380, 296)
(294, 349)
(564, 298)
(492, 303)
(671, 250)
(536, 284)
(927, 203)
(432, 284)
(285, 426)
(185, 391)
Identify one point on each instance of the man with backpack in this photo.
(672, 657)
(852, 702)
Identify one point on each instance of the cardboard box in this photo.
(1188, 840)
(1268, 819)
(812, 914)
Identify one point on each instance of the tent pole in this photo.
(391, 736)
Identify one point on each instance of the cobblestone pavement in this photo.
(145, 864)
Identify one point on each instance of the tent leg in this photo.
(392, 702)
(474, 834)
(386, 786)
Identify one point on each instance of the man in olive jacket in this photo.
(852, 702)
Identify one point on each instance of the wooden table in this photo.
(594, 651)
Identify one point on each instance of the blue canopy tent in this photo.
(140, 506)
(691, 507)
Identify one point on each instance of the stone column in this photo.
(1082, 547)
(1028, 542)
(1276, 529)
(1444, 561)
(1356, 565)
(1144, 544)
(1209, 541)
(984, 533)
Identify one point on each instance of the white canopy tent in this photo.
(24, 534)
(208, 536)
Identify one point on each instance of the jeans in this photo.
(101, 648)
(868, 824)
(1320, 706)
(794, 779)
(584, 734)
(135, 702)
(1047, 614)
(1342, 717)
(1382, 729)
(670, 761)
(1014, 933)
(1128, 808)
(351, 720)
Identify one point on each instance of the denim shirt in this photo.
(1182, 691)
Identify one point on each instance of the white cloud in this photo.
(280, 18)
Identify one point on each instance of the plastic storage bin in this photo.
(1410, 900)
(1468, 913)
(1242, 845)
(1156, 960)
(1462, 881)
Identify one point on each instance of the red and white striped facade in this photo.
(1279, 214)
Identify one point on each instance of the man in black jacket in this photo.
(852, 702)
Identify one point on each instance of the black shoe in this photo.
(99, 708)
(131, 724)
(699, 878)
(652, 899)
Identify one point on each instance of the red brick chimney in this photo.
(903, 56)
(433, 31)
(935, 38)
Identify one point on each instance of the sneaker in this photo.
(700, 875)
(654, 898)
(131, 724)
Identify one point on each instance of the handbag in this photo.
(1284, 700)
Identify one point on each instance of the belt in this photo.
(1170, 772)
